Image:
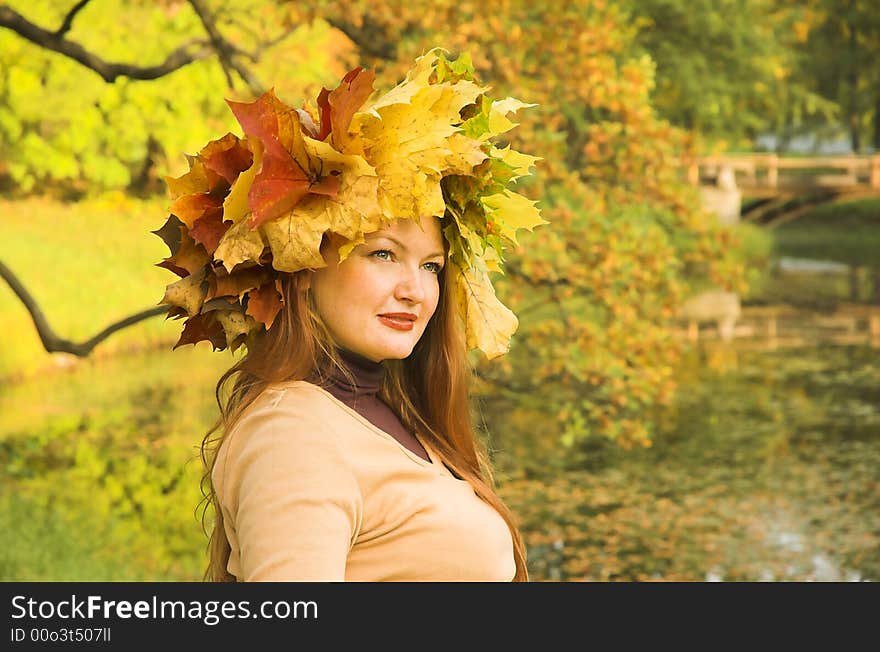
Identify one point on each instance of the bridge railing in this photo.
(764, 170)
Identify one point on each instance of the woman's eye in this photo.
(382, 254)
(434, 268)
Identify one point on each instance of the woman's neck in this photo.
(364, 377)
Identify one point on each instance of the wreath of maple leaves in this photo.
(254, 208)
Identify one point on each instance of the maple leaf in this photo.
(491, 118)
(288, 173)
(226, 156)
(235, 206)
(209, 229)
(354, 210)
(188, 256)
(170, 233)
(200, 179)
(408, 137)
(264, 303)
(416, 79)
(238, 282)
(489, 324)
(295, 240)
(190, 208)
(236, 325)
(187, 293)
(337, 107)
(510, 212)
(239, 244)
(519, 163)
(202, 327)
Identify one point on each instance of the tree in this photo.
(598, 289)
(729, 70)
(79, 114)
(840, 45)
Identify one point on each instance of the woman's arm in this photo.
(292, 503)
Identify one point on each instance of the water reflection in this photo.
(764, 469)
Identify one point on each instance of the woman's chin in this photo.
(393, 350)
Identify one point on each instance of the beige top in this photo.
(312, 491)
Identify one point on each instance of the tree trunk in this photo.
(877, 286)
(854, 283)
(854, 117)
(877, 124)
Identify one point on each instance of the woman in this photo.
(345, 448)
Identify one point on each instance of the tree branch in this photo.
(370, 38)
(68, 19)
(56, 42)
(225, 49)
(51, 342)
(514, 271)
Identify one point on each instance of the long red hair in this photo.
(298, 344)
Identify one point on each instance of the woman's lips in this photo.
(398, 321)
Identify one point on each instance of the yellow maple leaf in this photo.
(521, 163)
(239, 244)
(295, 238)
(198, 179)
(410, 137)
(499, 123)
(187, 293)
(512, 211)
(355, 209)
(489, 324)
(416, 79)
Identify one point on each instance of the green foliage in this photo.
(598, 287)
(728, 70)
(838, 46)
(62, 127)
(105, 463)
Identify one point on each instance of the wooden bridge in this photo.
(768, 174)
(780, 188)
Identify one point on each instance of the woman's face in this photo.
(377, 302)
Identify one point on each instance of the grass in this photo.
(87, 265)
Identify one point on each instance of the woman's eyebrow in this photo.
(436, 254)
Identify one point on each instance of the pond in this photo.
(764, 469)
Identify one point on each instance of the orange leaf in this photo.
(264, 303)
(227, 157)
(209, 229)
(190, 208)
(338, 106)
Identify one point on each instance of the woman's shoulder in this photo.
(286, 430)
(291, 413)
(292, 391)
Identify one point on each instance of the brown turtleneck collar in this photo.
(363, 397)
(368, 378)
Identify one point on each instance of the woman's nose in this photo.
(409, 286)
